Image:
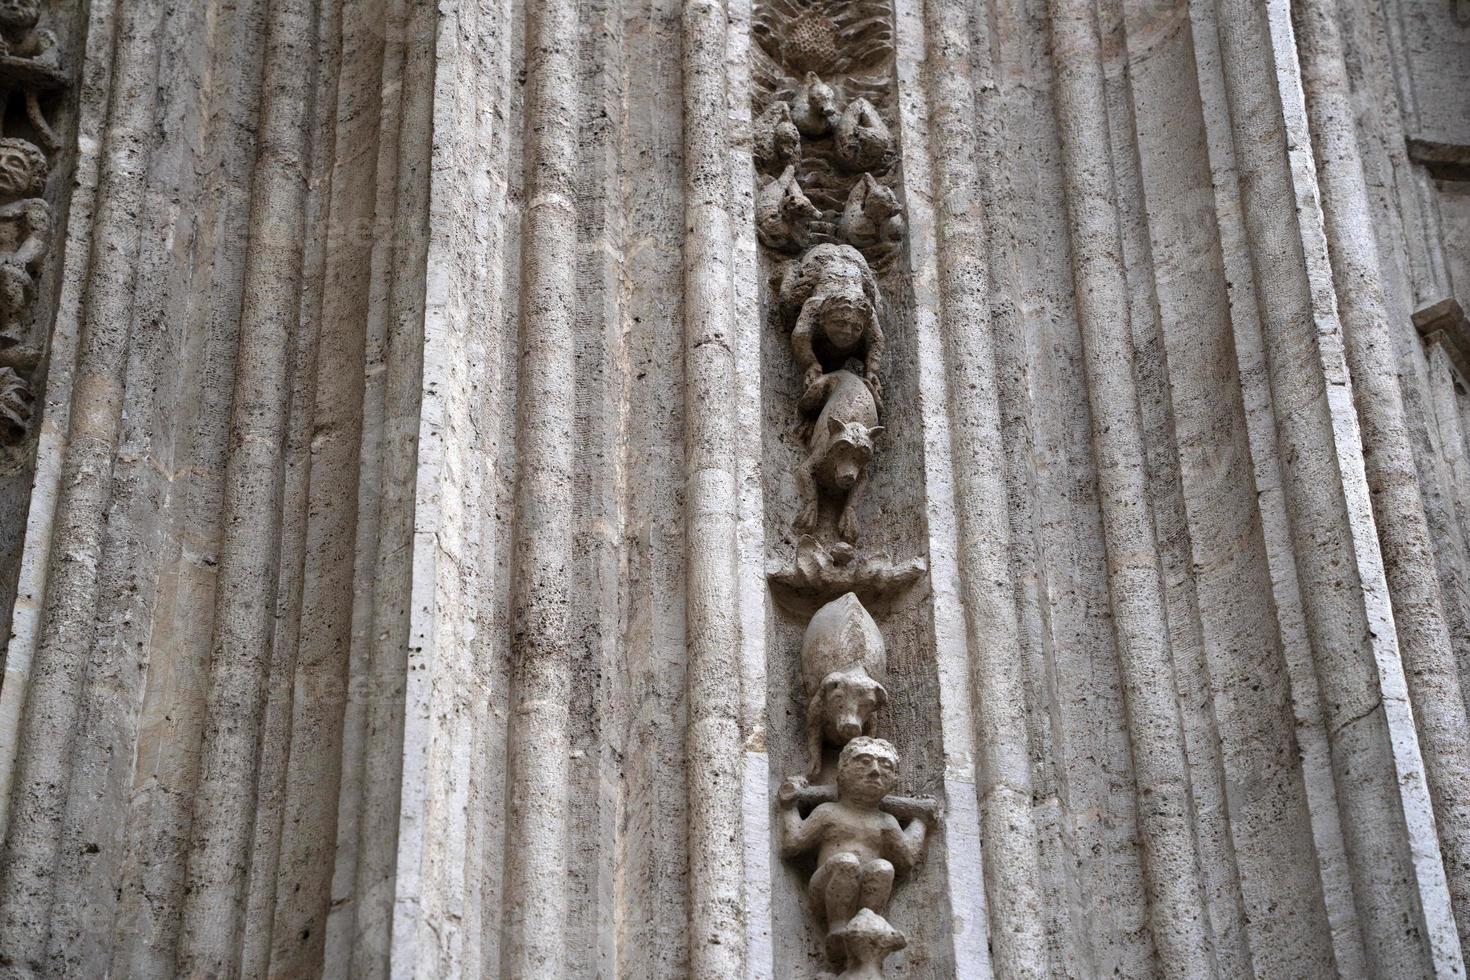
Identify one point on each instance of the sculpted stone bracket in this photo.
(30, 69)
(828, 215)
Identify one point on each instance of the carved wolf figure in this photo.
(861, 138)
(841, 447)
(777, 140)
(783, 213)
(841, 653)
(872, 215)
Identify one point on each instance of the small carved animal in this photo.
(871, 216)
(777, 140)
(840, 654)
(783, 213)
(840, 448)
(814, 110)
(861, 139)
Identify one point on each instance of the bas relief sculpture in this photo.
(830, 220)
(30, 64)
(841, 655)
(860, 845)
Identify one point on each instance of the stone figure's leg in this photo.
(14, 285)
(836, 885)
(847, 524)
(875, 885)
(806, 486)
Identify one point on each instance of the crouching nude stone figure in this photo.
(860, 846)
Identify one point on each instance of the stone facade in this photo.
(735, 488)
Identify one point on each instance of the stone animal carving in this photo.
(868, 940)
(861, 138)
(25, 232)
(814, 110)
(783, 213)
(860, 846)
(777, 140)
(841, 654)
(840, 448)
(872, 215)
(833, 298)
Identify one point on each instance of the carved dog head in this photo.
(849, 450)
(844, 707)
(848, 704)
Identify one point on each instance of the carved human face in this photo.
(18, 177)
(19, 15)
(867, 770)
(845, 319)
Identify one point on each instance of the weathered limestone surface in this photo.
(734, 488)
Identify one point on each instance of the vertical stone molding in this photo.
(801, 489)
(1166, 820)
(1003, 755)
(712, 738)
(240, 653)
(536, 879)
(53, 687)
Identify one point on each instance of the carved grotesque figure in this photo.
(859, 846)
(19, 37)
(841, 447)
(777, 140)
(861, 138)
(841, 654)
(783, 213)
(833, 296)
(814, 110)
(868, 940)
(25, 232)
(872, 215)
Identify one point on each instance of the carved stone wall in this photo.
(430, 539)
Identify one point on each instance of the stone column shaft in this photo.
(219, 860)
(52, 699)
(1387, 819)
(1388, 457)
(540, 741)
(712, 742)
(1003, 766)
(1165, 812)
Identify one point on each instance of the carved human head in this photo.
(22, 168)
(19, 15)
(867, 770)
(846, 314)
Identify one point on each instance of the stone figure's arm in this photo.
(873, 363)
(909, 847)
(801, 343)
(797, 835)
(36, 217)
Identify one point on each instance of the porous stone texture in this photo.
(406, 559)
